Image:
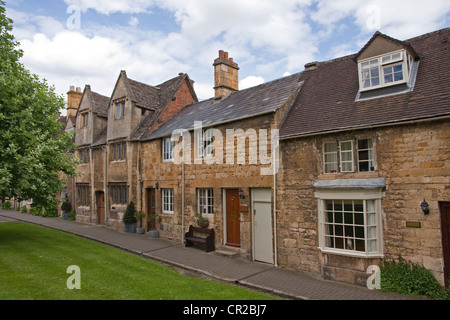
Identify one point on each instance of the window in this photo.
(167, 200)
(205, 201)
(84, 195)
(84, 120)
(119, 151)
(168, 144)
(330, 157)
(119, 194)
(340, 156)
(385, 70)
(120, 110)
(84, 156)
(346, 156)
(350, 225)
(365, 155)
(205, 144)
(350, 220)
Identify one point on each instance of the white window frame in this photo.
(382, 61)
(325, 160)
(167, 201)
(370, 152)
(205, 144)
(167, 149)
(341, 156)
(205, 201)
(373, 230)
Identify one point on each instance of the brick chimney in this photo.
(226, 78)
(73, 100)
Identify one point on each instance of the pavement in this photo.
(193, 261)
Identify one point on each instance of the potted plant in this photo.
(152, 218)
(66, 207)
(128, 218)
(139, 215)
(202, 221)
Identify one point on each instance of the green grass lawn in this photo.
(34, 262)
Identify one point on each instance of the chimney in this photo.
(73, 100)
(226, 78)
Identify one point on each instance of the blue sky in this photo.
(79, 42)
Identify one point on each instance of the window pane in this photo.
(117, 110)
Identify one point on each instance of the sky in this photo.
(80, 42)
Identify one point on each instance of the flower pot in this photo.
(65, 215)
(130, 228)
(140, 230)
(203, 223)
(153, 233)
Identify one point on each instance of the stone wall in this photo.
(415, 161)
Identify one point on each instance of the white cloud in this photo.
(250, 81)
(112, 6)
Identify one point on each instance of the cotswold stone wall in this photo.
(415, 161)
(219, 177)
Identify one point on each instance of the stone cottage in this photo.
(366, 143)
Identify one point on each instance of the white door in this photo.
(262, 225)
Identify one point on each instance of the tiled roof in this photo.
(328, 101)
(100, 104)
(155, 99)
(251, 102)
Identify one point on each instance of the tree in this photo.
(34, 150)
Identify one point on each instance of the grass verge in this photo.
(34, 262)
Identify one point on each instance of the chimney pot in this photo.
(181, 74)
(72, 88)
(221, 54)
(231, 59)
(226, 55)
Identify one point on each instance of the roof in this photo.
(156, 99)
(262, 99)
(328, 100)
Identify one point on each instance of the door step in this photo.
(228, 252)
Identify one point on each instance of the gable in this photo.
(379, 46)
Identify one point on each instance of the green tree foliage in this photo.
(34, 150)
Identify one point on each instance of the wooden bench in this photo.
(201, 236)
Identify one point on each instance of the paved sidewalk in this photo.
(274, 280)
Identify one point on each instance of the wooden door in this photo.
(444, 208)
(233, 218)
(101, 207)
(151, 207)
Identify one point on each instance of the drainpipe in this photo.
(182, 197)
(275, 169)
(106, 186)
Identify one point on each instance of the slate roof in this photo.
(262, 99)
(328, 101)
(100, 104)
(155, 99)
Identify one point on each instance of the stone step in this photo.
(227, 252)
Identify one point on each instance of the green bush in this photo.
(24, 209)
(128, 217)
(72, 215)
(36, 210)
(411, 278)
(6, 205)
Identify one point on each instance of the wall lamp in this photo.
(157, 185)
(425, 207)
(241, 193)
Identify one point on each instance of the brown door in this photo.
(101, 207)
(233, 218)
(445, 223)
(151, 207)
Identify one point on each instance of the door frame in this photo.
(225, 227)
(148, 207)
(97, 195)
(266, 199)
(445, 235)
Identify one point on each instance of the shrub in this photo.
(24, 209)
(6, 205)
(72, 215)
(128, 217)
(411, 278)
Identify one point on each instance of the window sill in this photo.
(353, 254)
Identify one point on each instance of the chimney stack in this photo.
(226, 76)
(73, 100)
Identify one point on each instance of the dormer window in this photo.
(385, 70)
(84, 120)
